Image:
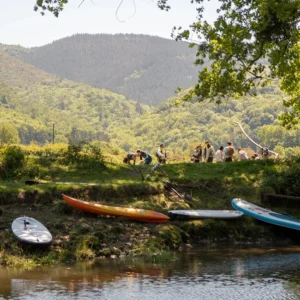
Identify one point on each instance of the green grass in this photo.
(82, 236)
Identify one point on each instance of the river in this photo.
(252, 273)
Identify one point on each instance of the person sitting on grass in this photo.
(242, 154)
(255, 156)
(145, 157)
(129, 157)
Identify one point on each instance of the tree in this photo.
(252, 43)
(8, 134)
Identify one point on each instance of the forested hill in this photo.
(184, 126)
(32, 100)
(144, 68)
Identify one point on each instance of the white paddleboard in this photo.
(30, 231)
(206, 214)
(266, 215)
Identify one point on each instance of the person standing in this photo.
(205, 150)
(228, 152)
(161, 154)
(197, 154)
(210, 152)
(220, 155)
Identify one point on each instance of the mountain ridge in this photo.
(145, 68)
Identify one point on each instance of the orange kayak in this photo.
(131, 213)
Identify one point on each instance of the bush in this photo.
(85, 155)
(12, 162)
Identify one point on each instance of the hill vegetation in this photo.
(33, 100)
(144, 68)
(184, 126)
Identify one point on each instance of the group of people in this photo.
(223, 154)
(207, 153)
(200, 154)
(145, 157)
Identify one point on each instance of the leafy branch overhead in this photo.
(54, 6)
(250, 44)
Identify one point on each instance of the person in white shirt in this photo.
(220, 155)
(210, 153)
(242, 154)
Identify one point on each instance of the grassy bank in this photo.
(82, 236)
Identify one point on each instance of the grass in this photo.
(82, 236)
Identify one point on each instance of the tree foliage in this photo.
(8, 134)
(251, 43)
(54, 6)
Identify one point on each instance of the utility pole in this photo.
(53, 133)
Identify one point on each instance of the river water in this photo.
(253, 273)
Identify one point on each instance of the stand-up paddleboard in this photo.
(205, 214)
(266, 215)
(30, 231)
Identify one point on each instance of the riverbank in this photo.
(81, 236)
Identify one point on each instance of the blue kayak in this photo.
(266, 215)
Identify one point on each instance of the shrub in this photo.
(85, 155)
(12, 162)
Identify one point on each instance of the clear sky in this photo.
(20, 25)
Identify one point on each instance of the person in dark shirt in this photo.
(145, 157)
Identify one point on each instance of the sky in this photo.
(20, 25)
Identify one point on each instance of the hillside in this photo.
(143, 68)
(16, 73)
(184, 126)
(33, 100)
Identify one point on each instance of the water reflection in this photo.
(196, 274)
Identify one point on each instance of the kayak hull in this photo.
(130, 213)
